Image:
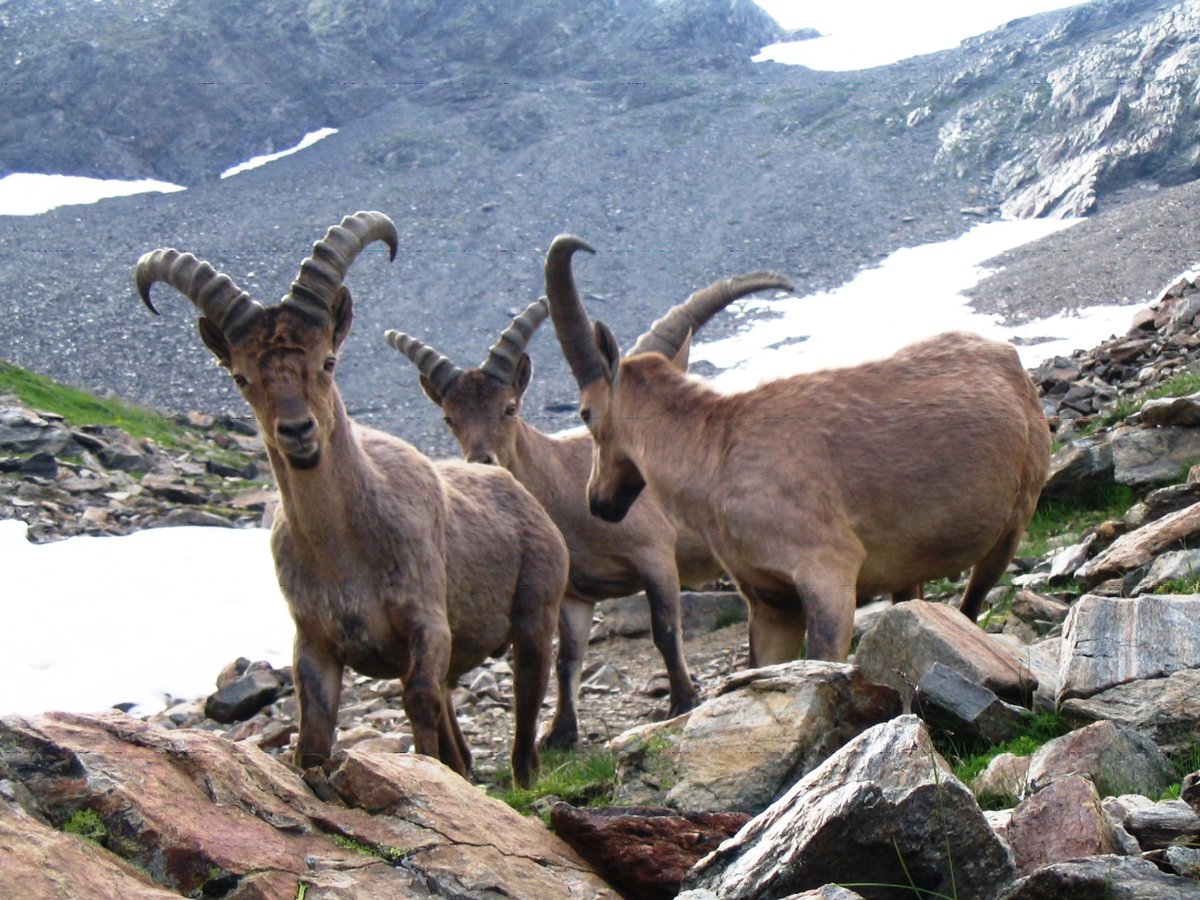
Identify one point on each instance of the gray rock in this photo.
(1109, 641)
(953, 704)
(910, 637)
(1174, 565)
(885, 809)
(1166, 710)
(1162, 824)
(1183, 861)
(1149, 457)
(1005, 778)
(741, 749)
(1117, 760)
(243, 697)
(1079, 468)
(24, 431)
(1102, 876)
(1182, 411)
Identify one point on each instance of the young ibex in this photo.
(817, 490)
(391, 564)
(482, 408)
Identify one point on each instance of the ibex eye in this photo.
(240, 380)
(448, 421)
(510, 411)
(330, 363)
(586, 415)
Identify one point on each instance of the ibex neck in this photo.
(544, 465)
(322, 500)
(667, 421)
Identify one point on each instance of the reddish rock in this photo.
(644, 851)
(1063, 821)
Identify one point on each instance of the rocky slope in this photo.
(485, 135)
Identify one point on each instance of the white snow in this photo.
(26, 194)
(862, 34)
(914, 293)
(91, 622)
(307, 141)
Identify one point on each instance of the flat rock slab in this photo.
(911, 637)
(1167, 710)
(1141, 546)
(200, 815)
(1113, 640)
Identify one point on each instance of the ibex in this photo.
(817, 490)
(391, 564)
(482, 408)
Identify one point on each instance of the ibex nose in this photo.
(297, 430)
(484, 459)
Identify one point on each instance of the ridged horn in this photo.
(667, 335)
(322, 273)
(571, 322)
(440, 371)
(216, 296)
(501, 362)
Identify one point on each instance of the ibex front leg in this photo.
(425, 700)
(318, 677)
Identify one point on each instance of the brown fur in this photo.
(816, 490)
(643, 552)
(392, 564)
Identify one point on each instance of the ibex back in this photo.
(817, 490)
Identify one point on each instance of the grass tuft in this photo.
(584, 777)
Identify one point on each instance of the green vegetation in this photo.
(88, 825)
(969, 760)
(388, 854)
(81, 408)
(1056, 518)
(584, 777)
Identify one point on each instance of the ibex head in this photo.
(281, 357)
(481, 406)
(595, 360)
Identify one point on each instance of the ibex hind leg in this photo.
(987, 572)
(666, 624)
(574, 627)
(452, 745)
(535, 612)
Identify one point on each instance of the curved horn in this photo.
(667, 335)
(322, 273)
(440, 371)
(501, 362)
(216, 296)
(571, 322)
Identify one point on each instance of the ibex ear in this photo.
(680, 359)
(610, 352)
(430, 391)
(214, 340)
(342, 310)
(522, 373)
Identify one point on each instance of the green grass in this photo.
(81, 408)
(580, 777)
(969, 760)
(1056, 518)
(87, 824)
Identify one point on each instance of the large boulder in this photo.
(743, 748)
(199, 815)
(911, 637)
(883, 810)
(1113, 640)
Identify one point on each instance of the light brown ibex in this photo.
(391, 564)
(816, 490)
(482, 408)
